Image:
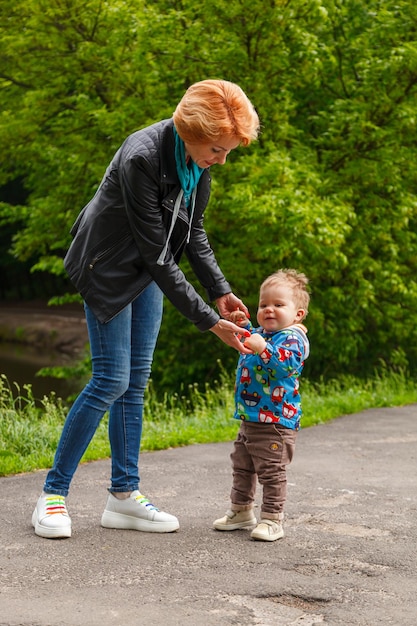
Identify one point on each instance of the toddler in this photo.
(268, 403)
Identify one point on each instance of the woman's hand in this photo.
(230, 334)
(228, 303)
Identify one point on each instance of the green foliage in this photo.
(330, 187)
(29, 434)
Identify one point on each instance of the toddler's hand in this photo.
(255, 342)
(238, 317)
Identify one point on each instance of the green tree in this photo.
(329, 188)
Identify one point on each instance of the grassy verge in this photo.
(29, 434)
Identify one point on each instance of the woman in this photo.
(124, 257)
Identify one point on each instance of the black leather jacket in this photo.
(122, 232)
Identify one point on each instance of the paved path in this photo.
(348, 558)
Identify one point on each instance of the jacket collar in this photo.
(168, 167)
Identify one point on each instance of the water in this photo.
(34, 336)
(20, 364)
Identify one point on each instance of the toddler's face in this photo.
(276, 309)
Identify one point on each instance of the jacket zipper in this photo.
(106, 252)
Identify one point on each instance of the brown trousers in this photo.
(261, 451)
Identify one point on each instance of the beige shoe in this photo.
(268, 530)
(233, 520)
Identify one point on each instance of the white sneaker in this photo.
(137, 513)
(50, 517)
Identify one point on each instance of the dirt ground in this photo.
(35, 323)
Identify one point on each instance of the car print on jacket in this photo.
(272, 379)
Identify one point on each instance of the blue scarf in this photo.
(189, 175)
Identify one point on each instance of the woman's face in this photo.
(206, 154)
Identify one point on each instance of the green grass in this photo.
(29, 434)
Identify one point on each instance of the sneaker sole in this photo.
(50, 533)
(252, 522)
(127, 522)
(262, 537)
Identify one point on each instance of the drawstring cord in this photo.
(161, 258)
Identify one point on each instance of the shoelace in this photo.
(55, 505)
(142, 500)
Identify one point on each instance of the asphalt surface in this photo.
(348, 557)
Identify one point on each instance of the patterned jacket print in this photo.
(267, 384)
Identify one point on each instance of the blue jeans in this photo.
(122, 352)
